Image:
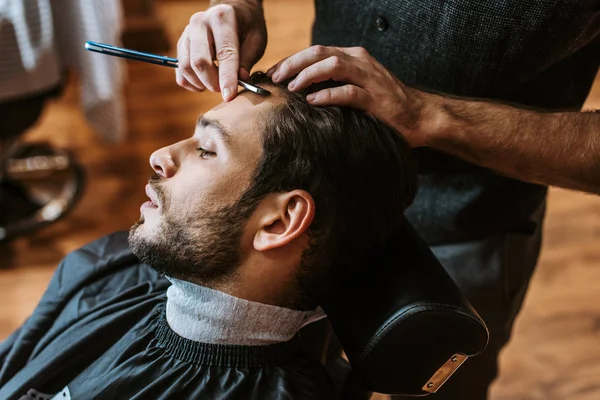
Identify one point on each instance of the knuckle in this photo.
(283, 67)
(198, 18)
(226, 53)
(187, 69)
(222, 11)
(360, 51)
(336, 62)
(351, 91)
(318, 50)
(201, 64)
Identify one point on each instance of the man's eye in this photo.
(205, 153)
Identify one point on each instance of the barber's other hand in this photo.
(369, 86)
(234, 33)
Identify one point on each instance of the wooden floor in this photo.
(555, 351)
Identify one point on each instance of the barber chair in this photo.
(402, 321)
(38, 185)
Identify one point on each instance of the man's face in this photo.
(193, 225)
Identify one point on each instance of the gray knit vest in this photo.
(541, 53)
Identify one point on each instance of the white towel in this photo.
(40, 37)
(29, 61)
(209, 316)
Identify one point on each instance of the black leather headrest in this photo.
(402, 321)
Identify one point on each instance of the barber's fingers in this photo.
(184, 83)
(227, 49)
(347, 95)
(201, 57)
(274, 68)
(335, 68)
(184, 74)
(292, 65)
(252, 49)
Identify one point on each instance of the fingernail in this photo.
(270, 72)
(226, 93)
(275, 76)
(291, 85)
(311, 97)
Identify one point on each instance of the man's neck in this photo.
(263, 281)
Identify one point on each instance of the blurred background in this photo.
(554, 352)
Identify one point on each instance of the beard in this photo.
(203, 248)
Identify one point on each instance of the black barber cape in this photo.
(100, 332)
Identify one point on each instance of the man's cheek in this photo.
(192, 202)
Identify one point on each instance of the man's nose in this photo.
(162, 162)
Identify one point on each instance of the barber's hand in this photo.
(369, 86)
(232, 32)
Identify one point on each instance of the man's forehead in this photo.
(246, 111)
(243, 117)
(239, 123)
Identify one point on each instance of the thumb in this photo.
(244, 74)
(251, 50)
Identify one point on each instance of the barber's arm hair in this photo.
(549, 148)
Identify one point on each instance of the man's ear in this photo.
(283, 218)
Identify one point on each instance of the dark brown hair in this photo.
(359, 171)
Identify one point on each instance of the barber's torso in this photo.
(542, 53)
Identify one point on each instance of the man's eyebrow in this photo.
(216, 125)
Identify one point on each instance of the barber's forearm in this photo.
(561, 149)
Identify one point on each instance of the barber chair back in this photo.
(402, 321)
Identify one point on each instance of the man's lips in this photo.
(152, 196)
